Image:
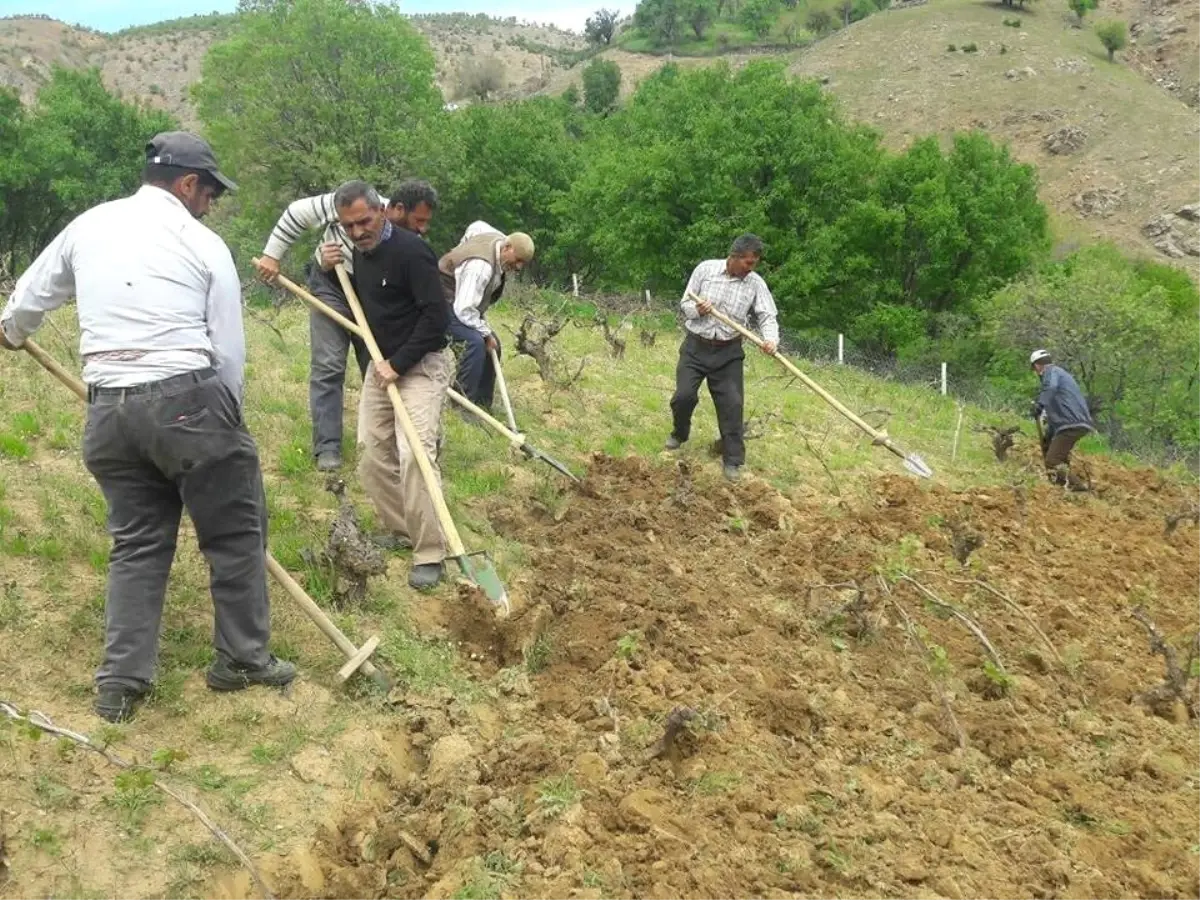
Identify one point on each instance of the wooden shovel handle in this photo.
(878, 436)
(453, 541)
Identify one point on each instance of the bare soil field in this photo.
(739, 693)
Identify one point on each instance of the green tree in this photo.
(509, 163)
(1081, 7)
(601, 25)
(601, 86)
(819, 21)
(696, 157)
(307, 93)
(759, 15)
(699, 14)
(850, 231)
(1124, 329)
(662, 20)
(77, 146)
(1113, 35)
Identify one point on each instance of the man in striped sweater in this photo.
(411, 207)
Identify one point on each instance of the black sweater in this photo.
(401, 293)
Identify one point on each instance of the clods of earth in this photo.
(716, 690)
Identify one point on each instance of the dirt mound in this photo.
(735, 693)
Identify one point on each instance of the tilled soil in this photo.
(839, 726)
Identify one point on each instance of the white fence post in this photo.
(574, 284)
(841, 349)
(649, 305)
(943, 379)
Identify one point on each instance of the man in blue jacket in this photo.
(1067, 417)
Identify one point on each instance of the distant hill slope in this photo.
(157, 63)
(1123, 158)
(1113, 151)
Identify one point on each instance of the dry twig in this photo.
(971, 625)
(1175, 686)
(43, 723)
(911, 631)
(1172, 521)
(1021, 612)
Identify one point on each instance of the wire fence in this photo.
(837, 349)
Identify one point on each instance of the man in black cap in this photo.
(163, 349)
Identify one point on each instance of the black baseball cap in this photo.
(186, 150)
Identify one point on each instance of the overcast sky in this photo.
(113, 15)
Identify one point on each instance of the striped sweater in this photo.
(306, 213)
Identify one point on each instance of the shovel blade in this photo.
(917, 466)
(534, 453)
(483, 575)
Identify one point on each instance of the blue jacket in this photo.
(1063, 401)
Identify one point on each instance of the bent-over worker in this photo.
(473, 276)
(402, 300)
(1068, 418)
(163, 347)
(411, 207)
(712, 351)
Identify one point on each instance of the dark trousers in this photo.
(1057, 453)
(154, 450)
(328, 343)
(721, 365)
(476, 376)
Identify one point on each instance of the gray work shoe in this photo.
(226, 675)
(118, 702)
(425, 575)
(389, 540)
(329, 461)
(673, 443)
(733, 473)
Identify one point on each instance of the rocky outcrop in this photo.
(1176, 234)
(1066, 140)
(1099, 202)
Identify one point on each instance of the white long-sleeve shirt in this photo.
(152, 285)
(735, 297)
(474, 281)
(306, 213)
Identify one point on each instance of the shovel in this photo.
(508, 410)
(912, 462)
(358, 658)
(482, 573)
(514, 437)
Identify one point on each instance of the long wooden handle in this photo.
(453, 541)
(289, 584)
(326, 310)
(321, 620)
(508, 410)
(878, 436)
(51, 365)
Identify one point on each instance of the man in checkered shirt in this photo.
(713, 351)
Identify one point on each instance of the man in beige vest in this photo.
(473, 276)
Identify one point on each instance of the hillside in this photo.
(845, 731)
(157, 63)
(1124, 135)
(1128, 164)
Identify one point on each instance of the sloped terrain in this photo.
(841, 728)
(157, 66)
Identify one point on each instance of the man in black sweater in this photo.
(401, 292)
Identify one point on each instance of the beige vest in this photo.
(482, 246)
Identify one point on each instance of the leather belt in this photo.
(149, 387)
(712, 342)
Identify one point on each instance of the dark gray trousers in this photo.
(722, 367)
(156, 449)
(328, 343)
